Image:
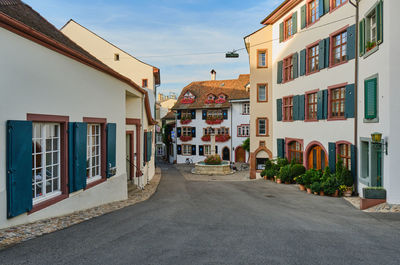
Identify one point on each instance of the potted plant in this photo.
(300, 180)
(346, 191)
(374, 193)
(315, 188)
(285, 173)
(270, 173)
(186, 119)
(296, 170)
(370, 45)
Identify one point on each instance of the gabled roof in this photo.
(21, 19)
(280, 11)
(234, 89)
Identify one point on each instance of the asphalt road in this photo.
(252, 222)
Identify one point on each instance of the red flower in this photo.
(218, 121)
(222, 138)
(220, 101)
(187, 100)
(186, 121)
(206, 138)
(209, 101)
(185, 138)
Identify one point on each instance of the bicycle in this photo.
(188, 161)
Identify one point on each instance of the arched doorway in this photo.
(226, 154)
(240, 155)
(317, 158)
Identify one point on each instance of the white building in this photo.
(313, 51)
(216, 106)
(378, 108)
(139, 72)
(62, 122)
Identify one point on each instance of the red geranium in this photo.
(209, 101)
(212, 121)
(206, 138)
(222, 138)
(186, 120)
(220, 100)
(187, 100)
(185, 138)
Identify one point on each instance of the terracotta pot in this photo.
(316, 193)
(279, 181)
(347, 193)
(308, 190)
(336, 194)
(301, 187)
(321, 193)
(287, 182)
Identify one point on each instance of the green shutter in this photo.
(19, 167)
(361, 44)
(326, 6)
(295, 60)
(320, 104)
(303, 16)
(149, 146)
(321, 55)
(281, 148)
(111, 147)
(295, 108)
(351, 42)
(279, 72)
(353, 154)
(303, 62)
(370, 100)
(294, 22)
(327, 51)
(332, 157)
(281, 32)
(321, 8)
(77, 141)
(349, 102)
(279, 109)
(302, 99)
(325, 104)
(379, 22)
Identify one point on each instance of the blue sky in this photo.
(154, 30)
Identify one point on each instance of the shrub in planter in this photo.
(281, 162)
(263, 173)
(268, 164)
(311, 176)
(270, 173)
(315, 187)
(343, 175)
(297, 170)
(330, 185)
(284, 173)
(374, 193)
(213, 160)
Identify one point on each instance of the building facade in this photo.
(143, 74)
(218, 107)
(377, 97)
(259, 49)
(62, 126)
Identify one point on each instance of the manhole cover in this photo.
(269, 196)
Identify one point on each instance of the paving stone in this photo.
(14, 235)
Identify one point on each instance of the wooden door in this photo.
(317, 158)
(240, 155)
(225, 154)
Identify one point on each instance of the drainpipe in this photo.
(356, 70)
(141, 186)
(155, 118)
(231, 158)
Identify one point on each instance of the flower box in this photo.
(206, 138)
(374, 193)
(220, 101)
(185, 138)
(222, 138)
(186, 121)
(212, 121)
(187, 100)
(208, 101)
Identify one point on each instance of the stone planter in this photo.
(369, 193)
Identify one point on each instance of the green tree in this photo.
(246, 145)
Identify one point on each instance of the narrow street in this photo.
(249, 222)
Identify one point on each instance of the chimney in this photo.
(213, 75)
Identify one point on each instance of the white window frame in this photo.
(186, 149)
(259, 127)
(244, 130)
(262, 97)
(44, 141)
(96, 154)
(207, 150)
(246, 108)
(262, 58)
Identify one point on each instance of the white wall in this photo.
(238, 119)
(38, 80)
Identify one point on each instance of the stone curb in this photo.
(17, 234)
(380, 208)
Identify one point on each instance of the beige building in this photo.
(259, 48)
(143, 74)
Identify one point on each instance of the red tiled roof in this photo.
(233, 89)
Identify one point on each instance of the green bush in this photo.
(263, 173)
(246, 144)
(330, 185)
(285, 173)
(270, 173)
(281, 162)
(268, 164)
(311, 176)
(316, 187)
(297, 170)
(299, 179)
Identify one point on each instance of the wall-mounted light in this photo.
(376, 137)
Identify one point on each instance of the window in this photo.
(371, 99)
(207, 150)
(262, 58)
(337, 3)
(295, 152)
(144, 83)
(311, 106)
(244, 130)
(208, 131)
(222, 131)
(186, 149)
(313, 59)
(262, 92)
(288, 27)
(288, 69)
(261, 126)
(288, 108)
(246, 108)
(339, 44)
(214, 114)
(186, 114)
(46, 180)
(313, 11)
(93, 162)
(116, 57)
(345, 155)
(337, 99)
(260, 163)
(186, 131)
(210, 97)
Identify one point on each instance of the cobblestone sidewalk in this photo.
(14, 235)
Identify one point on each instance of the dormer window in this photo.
(221, 99)
(188, 98)
(211, 97)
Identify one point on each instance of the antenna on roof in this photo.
(232, 54)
